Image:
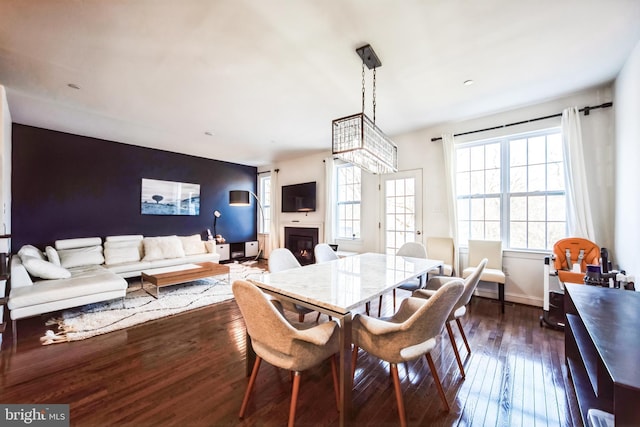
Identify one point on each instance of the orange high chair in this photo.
(567, 253)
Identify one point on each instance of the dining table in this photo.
(337, 288)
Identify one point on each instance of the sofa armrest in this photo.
(19, 276)
(211, 246)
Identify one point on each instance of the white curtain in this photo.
(274, 235)
(449, 151)
(579, 219)
(328, 210)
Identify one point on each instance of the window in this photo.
(265, 197)
(348, 191)
(512, 189)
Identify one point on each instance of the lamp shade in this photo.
(239, 198)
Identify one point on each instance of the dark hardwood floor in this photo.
(189, 370)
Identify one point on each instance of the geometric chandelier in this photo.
(357, 139)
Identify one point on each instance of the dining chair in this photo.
(281, 259)
(324, 253)
(492, 251)
(282, 344)
(413, 250)
(459, 309)
(442, 248)
(408, 335)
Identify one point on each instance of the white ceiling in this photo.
(266, 77)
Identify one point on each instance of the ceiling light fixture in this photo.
(73, 86)
(468, 82)
(357, 139)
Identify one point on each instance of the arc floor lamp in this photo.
(242, 198)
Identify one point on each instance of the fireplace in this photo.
(301, 241)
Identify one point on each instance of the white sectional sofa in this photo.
(83, 271)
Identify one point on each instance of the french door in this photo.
(402, 216)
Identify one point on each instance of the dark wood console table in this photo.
(602, 350)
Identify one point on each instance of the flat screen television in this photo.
(299, 197)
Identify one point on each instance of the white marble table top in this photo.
(346, 283)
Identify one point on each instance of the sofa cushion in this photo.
(30, 250)
(44, 269)
(52, 255)
(192, 245)
(156, 248)
(91, 255)
(122, 251)
(81, 242)
(124, 238)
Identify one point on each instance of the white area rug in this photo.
(139, 307)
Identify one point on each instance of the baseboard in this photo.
(519, 299)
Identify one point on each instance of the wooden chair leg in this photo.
(294, 398)
(334, 373)
(394, 300)
(380, 306)
(436, 378)
(354, 360)
(399, 400)
(367, 306)
(300, 317)
(455, 348)
(464, 337)
(252, 381)
(318, 317)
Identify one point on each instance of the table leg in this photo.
(346, 380)
(501, 295)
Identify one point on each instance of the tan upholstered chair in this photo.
(283, 259)
(492, 251)
(442, 248)
(411, 333)
(459, 309)
(324, 253)
(282, 344)
(413, 250)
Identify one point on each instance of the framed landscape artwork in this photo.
(169, 198)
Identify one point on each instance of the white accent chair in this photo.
(287, 346)
(324, 253)
(281, 259)
(459, 309)
(411, 333)
(413, 250)
(492, 251)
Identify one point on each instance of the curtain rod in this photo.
(586, 111)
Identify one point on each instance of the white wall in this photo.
(5, 169)
(627, 159)
(416, 151)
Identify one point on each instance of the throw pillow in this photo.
(44, 269)
(162, 247)
(52, 255)
(78, 257)
(30, 250)
(192, 245)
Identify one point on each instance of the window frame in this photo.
(505, 194)
(347, 202)
(264, 188)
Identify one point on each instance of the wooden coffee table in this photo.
(167, 276)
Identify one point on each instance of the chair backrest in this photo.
(282, 259)
(412, 249)
(489, 249)
(324, 253)
(470, 284)
(576, 247)
(441, 248)
(265, 324)
(428, 320)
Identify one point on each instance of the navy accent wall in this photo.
(67, 186)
